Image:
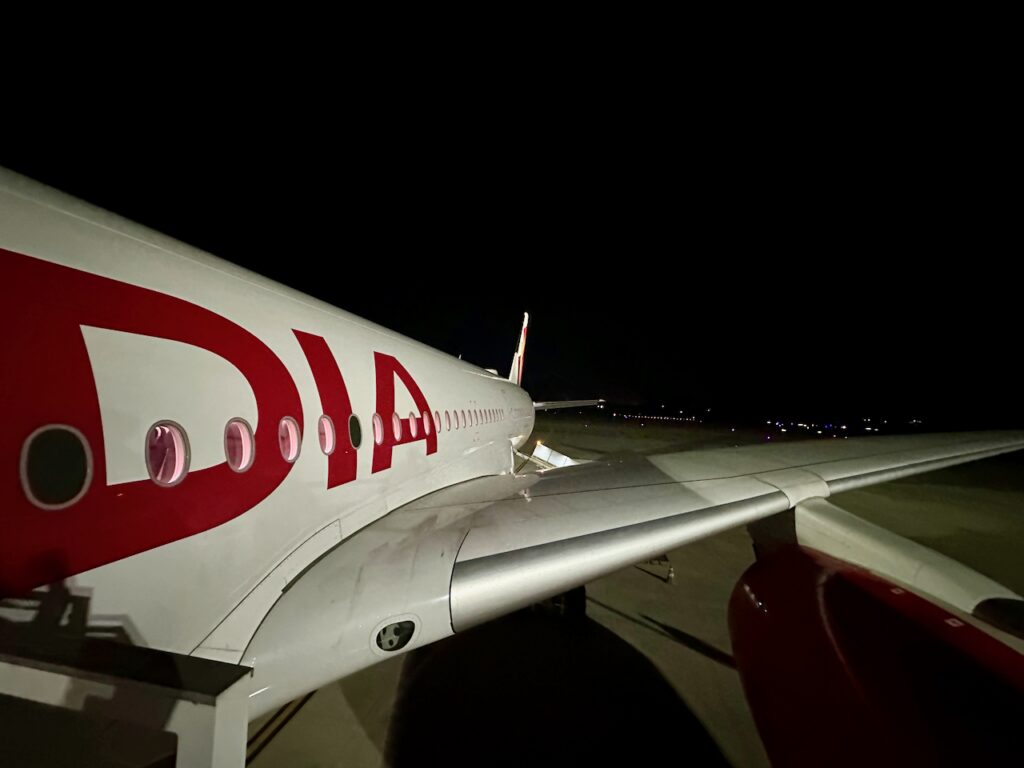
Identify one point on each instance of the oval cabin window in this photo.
(167, 453)
(239, 446)
(289, 438)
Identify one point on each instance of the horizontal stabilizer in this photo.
(551, 405)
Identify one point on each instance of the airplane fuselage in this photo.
(115, 330)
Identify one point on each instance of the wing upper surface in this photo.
(568, 526)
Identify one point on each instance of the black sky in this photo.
(815, 262)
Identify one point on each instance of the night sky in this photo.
(831, 268)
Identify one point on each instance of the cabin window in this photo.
(462, 418)
(167, 453)
(378, 429)
(414, 425)
(426, 423)
(288, 438)
(355, 431)
(239, 446)
(437, 421)
(56, 466)
(396, 426)
(447, 421)
(325, 431)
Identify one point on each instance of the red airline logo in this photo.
(47, 379)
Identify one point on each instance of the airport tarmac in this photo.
(648, 674)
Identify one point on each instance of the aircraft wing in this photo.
(480, 549)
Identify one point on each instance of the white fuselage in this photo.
(207, 589)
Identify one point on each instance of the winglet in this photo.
(516, 374)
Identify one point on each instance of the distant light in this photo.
(783, 429)
(767, 437)
(819, 431)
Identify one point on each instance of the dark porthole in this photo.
(355, 431)
(56, 466)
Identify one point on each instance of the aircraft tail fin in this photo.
(516, 373)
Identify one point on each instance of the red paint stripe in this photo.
(47, 378)
(334, 399)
